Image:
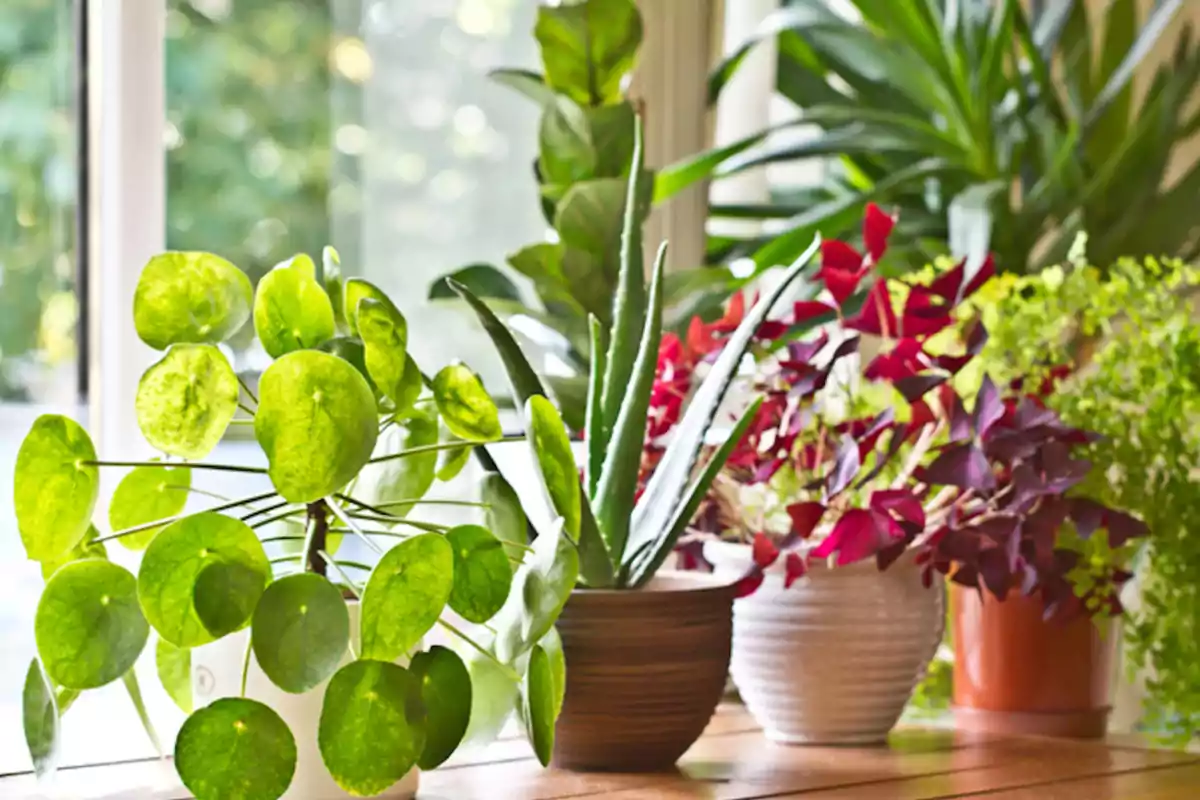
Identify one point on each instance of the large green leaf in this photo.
(446, 693)
(174, 562)
(174, 667)
(88, 626)
(316, 422)
(588, 48)
(504, 515)
(565, 151)
(372, 728)
(407, 478)
(54, 489)
(186, 400)
(540, 589)
(384, 333)
(550, 446)
(482, 279)
(300, 631)
(40, 720)
(542, 692)
(355, 290)
(482, 575)
(235, 748)
(612, 136)
(527, 83)
(193, 298)
(405, 594)
(224, 596)
(144, 495)
(466, 407)
(291, 309)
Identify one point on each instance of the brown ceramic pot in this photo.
(645, 670)
(1017, 674)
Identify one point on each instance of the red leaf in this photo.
(902, 503)
(988, 407)
(877, 227)
(770, 330)
(765, 551)
(795, 567)
(877, 315)
(733, 314)
(858, 535)
(805, 517)
(804, 310)
(841, 257)
(749, 582)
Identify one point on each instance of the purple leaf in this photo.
(962, 465)
(994, 569)
(854, 537)
(902, 503)
(899, 435)
(1088, 516)
(1122, 527)
(846, 347)
(888, 555)
(845, 467)
(989, 408)
(960, 422)
(805, 351)
(914, 387)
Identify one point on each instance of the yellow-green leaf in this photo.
(291, 310)
(185, 402)
(466, 407)
(54, 490)
(144, 495)
(195, 298)
(405, 594)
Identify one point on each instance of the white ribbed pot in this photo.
(834, 658)
(217, 673)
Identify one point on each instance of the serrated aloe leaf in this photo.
(597, 568)
(615, 491)
(524, 380)
(644, 567)
(629, 303)
(595, 445)
(659, 501)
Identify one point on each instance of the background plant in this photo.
(354, 434)
(1129, 344)
(980, 121)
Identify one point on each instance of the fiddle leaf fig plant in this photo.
(351, 430)
(622, 538)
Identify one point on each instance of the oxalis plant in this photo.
(624, 537)
(354, 434)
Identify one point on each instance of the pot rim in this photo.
(669, 581)
(741, 555)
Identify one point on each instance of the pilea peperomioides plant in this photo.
(352, 432)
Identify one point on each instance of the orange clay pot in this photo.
(1017, 674)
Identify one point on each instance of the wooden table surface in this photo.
(733, 761)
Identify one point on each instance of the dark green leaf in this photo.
(482, 279)
(195, 298)
(565, 150)
(144, 495)
(525, 382)
(612, 136)
(40, 718)
(446, 693)
(174, 666)
(225, 594)
(186, 400)
(235, 748)
(504, 515)
(527, 83)
(482, 575)
(588, 48)
(405, 595)
(594, 444)
(466, 407)
(541, 696)
(372, 728)
(54, 491)
(291, 309)
(88, 626)
(300, 632)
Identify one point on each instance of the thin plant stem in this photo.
(512, 673)
(431, 527)
(266, 509)
(246, 664)
(276, 518)
(178, 465)
(355, 565)
(352, 525)
(194, 490)
(271, 539)
(432, 448)
(373, 532)
(245, 408)
(310, 530)
(365, 506)
(285, 559)
(246, 388)
(424, 502)
(240, 421)
(337, 568)
(168, 520)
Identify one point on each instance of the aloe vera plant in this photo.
(622, 538)
(353, 434)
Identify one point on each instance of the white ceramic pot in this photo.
(834, 658)
(217, 673)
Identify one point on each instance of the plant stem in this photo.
(271, 539)
(245, 408)
(168, 520)
(373, 532)
(355, 565)
(284, 559)
(266, 510)
(194, 490)
(430, 448)
(315, 536)
(431, 527)
(178, 465)
(275, 518)
(246, 388)
(512, 673)
(424, 502)
(346, 578)
(246, 664)
(352, 525)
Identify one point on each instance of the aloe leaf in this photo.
(525, 382)
(596, 566)
(595, 445)
(1158, 21)
(615, 491)
(643, 569)
(660, 499)
(630, 301)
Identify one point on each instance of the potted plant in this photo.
(331, 665)
(849, 492)
(648, 651)
(1115, 349)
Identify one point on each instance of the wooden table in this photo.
(733, 761)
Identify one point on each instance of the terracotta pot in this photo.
(645, 670)
(834, 658)
(1017, 674)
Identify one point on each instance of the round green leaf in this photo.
(54, 491)
(446, 693)
(88, 626)
(505, 516)
(350, 350)
(407, 478)
(193, 298)
(174, 666)
(235, 749)
(225, 594)
(170, 573)
(540, 703)
(88, 548)
(317, 423)
(385, 338)
(467, 408)
(144, 495)
(291, 310)
(355, 290)
(548, 438)
(185, 401)
(482, 575)
(300, 632)
(40, 718)
(372, 727)
(405, 595)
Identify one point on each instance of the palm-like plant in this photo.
(977, 119)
